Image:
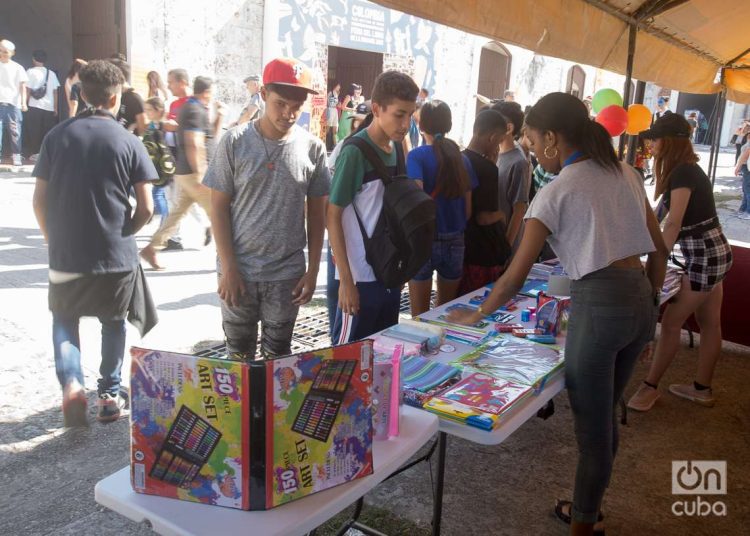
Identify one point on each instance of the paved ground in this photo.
(49, 473)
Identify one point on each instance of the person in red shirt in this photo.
(178, 83)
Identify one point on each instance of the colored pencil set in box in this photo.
(386, 394)
(250, 435)
(478, 400)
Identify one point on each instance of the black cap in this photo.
(669, 125)
(362, 110)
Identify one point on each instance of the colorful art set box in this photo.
(250, 435)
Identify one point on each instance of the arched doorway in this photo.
(494, 71)
(576, 81)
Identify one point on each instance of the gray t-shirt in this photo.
(515, 180)
(268, 201)
(595, 216)
(514, 186)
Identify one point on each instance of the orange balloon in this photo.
(639, 119)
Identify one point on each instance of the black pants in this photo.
(36, 124)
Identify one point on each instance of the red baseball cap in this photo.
(288, 72)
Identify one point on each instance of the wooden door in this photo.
(98, 28)
(494, 67)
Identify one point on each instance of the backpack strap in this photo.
(400, 160)
(372, 157)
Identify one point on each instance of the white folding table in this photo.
(511, 421)
(176, 517)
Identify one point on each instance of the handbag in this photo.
(41, 91)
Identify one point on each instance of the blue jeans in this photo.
(161, 207)
(447, 258)
(11, 115)
(67, 348)
(612, 317)
(745, 205)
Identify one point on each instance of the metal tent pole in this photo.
(640, 91)
(632, 34)
(712, 132)
(717, 138)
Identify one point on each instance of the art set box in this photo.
(250, 435)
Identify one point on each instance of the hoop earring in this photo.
(550, 156)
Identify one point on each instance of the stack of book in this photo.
(478, 400)
(423, 378)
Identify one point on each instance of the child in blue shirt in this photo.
(448, 177)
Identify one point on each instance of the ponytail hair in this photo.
(568, 117)
(452, 179)
(597, 143)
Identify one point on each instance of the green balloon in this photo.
(604, 98)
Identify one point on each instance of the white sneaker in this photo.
(744, 216)
(703, 397)
(17, 160)
(644, 398)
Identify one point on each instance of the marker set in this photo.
(318, 413)
(189, 443)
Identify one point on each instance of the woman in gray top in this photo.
(596, 217)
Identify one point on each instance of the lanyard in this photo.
(572, 158)
(97, 111)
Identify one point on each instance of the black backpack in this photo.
(41, 91)
(160, 155)
(401, 242)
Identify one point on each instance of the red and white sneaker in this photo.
(109, 408)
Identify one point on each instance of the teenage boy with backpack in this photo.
(367, 305)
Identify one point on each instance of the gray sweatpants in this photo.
(267, 302)
(612, 317)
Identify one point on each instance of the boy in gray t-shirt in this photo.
(513, 173)
(513, 191)
(263, 176)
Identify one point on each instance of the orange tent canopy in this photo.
(680, 44)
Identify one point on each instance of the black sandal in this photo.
(565, 518)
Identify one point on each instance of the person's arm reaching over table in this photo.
(513, 278)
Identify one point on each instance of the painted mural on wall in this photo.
(360, 25)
